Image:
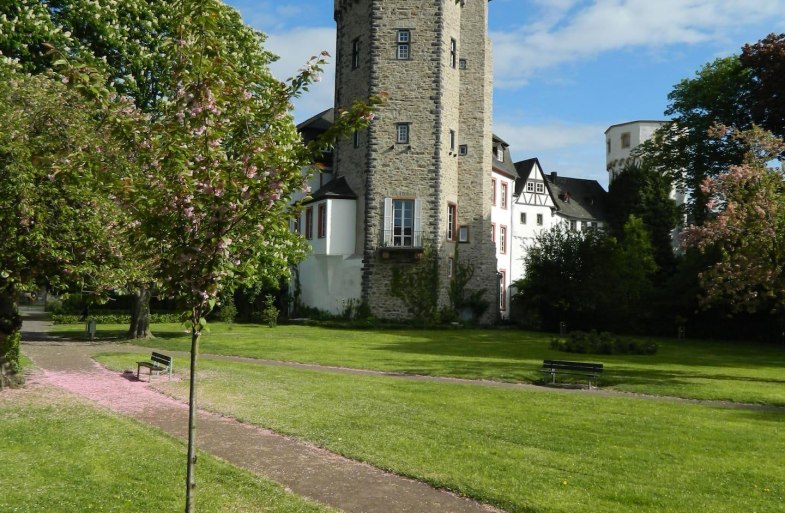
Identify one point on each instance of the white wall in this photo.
(640, 131)
(503, 217)
(328, 282)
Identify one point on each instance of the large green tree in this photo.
(765, 62)
(57, 224)
(683, 148)
(645, 193)
(128, 42)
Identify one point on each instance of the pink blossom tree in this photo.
(216, 172)
(747, 230)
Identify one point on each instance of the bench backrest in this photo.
(567, 365)
(163, 359)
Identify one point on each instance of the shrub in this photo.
(115, 317)
(228, 312)
(602, 343)
(269, 314)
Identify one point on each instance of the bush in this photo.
(114, 317)
(602, 343)
(269, 314)
(228, 311)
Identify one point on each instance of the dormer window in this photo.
(540, 188)
(500, 153)
(529, 186)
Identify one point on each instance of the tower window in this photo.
(453, 53)
(625, 140)
(463, 149)
(403, 41)
(356, 53)
(402, 133)
(452, 140)
(356, 139)
(322, 220)
(452, 218)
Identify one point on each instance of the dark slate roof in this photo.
(317, 124)
(334, 189)
(506, 166)
(577, 198)
(523, 169)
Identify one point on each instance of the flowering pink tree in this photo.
(747, 232)
(216, 172)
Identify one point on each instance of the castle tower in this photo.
(422, 169)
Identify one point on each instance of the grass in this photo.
(61, 455)
(697, 369)
(523, 450)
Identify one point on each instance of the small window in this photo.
(539, 219)
(403, 40)
(625, 140)
(402, 133)
(503, 240)
(452, 219)
(452, 140)
(322, 219)
(463, 234)
(356, 53)
(453, 53)
(573, 225)
(523, 217)
(463, 150)
(493, 232)
(529, 186)
(462, 64)
(584, 225)
(608, 143)
(296, 224)
(309, 223)
(356, 139)
(450, 265)
(493, 191)
(540, 188)
(503, 193)
(500, 153)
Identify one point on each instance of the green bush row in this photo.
(602, 343)
(114, 318)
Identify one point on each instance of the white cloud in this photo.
(566, 32)
(294, 47)
(571, 149)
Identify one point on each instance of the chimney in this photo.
(553, 176)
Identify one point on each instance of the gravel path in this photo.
(300, 467)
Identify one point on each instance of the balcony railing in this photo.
(401, 238)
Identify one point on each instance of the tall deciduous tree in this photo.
(219, 165)
(57, 224)
(765, 61)
(645, 193)
(682, 149)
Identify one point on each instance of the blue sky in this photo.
(564, 70)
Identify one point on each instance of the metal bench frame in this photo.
(160, 363)
(588, 369)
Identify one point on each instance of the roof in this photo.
(523, 169)
(503, 166)
(321, 121)
(334, 189)
(659, 121)
(578, 198)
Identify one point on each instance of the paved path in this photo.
(300, 467)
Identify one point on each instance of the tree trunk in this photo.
(190, 480)
(140, 314)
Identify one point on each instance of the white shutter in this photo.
(417, 224)
(387, 235)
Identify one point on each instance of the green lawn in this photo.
(60, 455)
(735, 371)
(523, 450)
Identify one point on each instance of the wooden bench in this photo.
(160, 363)
(590, 370)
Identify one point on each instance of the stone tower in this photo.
(422, 169)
